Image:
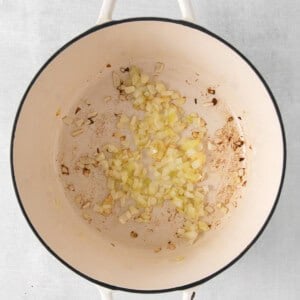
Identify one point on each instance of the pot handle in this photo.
(106, 294)
(188, 294)
(107, 8)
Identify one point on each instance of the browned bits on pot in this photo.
(71, 187)
(123, 70)
(64, 169)
(237, 144)
(91, 116)
(133, 234)
(211, 91)
(158, 249)
(196, 101)
(239, 118)
(91, 121)
(108, 66)
(86, 171)
(228, 139)
(171, 246)
(78, 109)
(214, 101)
(122, 138)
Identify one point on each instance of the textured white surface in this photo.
(266, 31)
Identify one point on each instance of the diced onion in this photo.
(176, 163)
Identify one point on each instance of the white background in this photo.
(266, 31)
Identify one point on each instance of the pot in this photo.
(83, 67)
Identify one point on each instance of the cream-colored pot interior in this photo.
(184, 50)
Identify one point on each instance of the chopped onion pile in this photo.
(164, 164)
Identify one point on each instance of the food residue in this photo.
(211, 91)
(214, 101)
(78, 109)
(64, 170)
(133, 234)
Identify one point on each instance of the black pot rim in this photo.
(99, 27)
